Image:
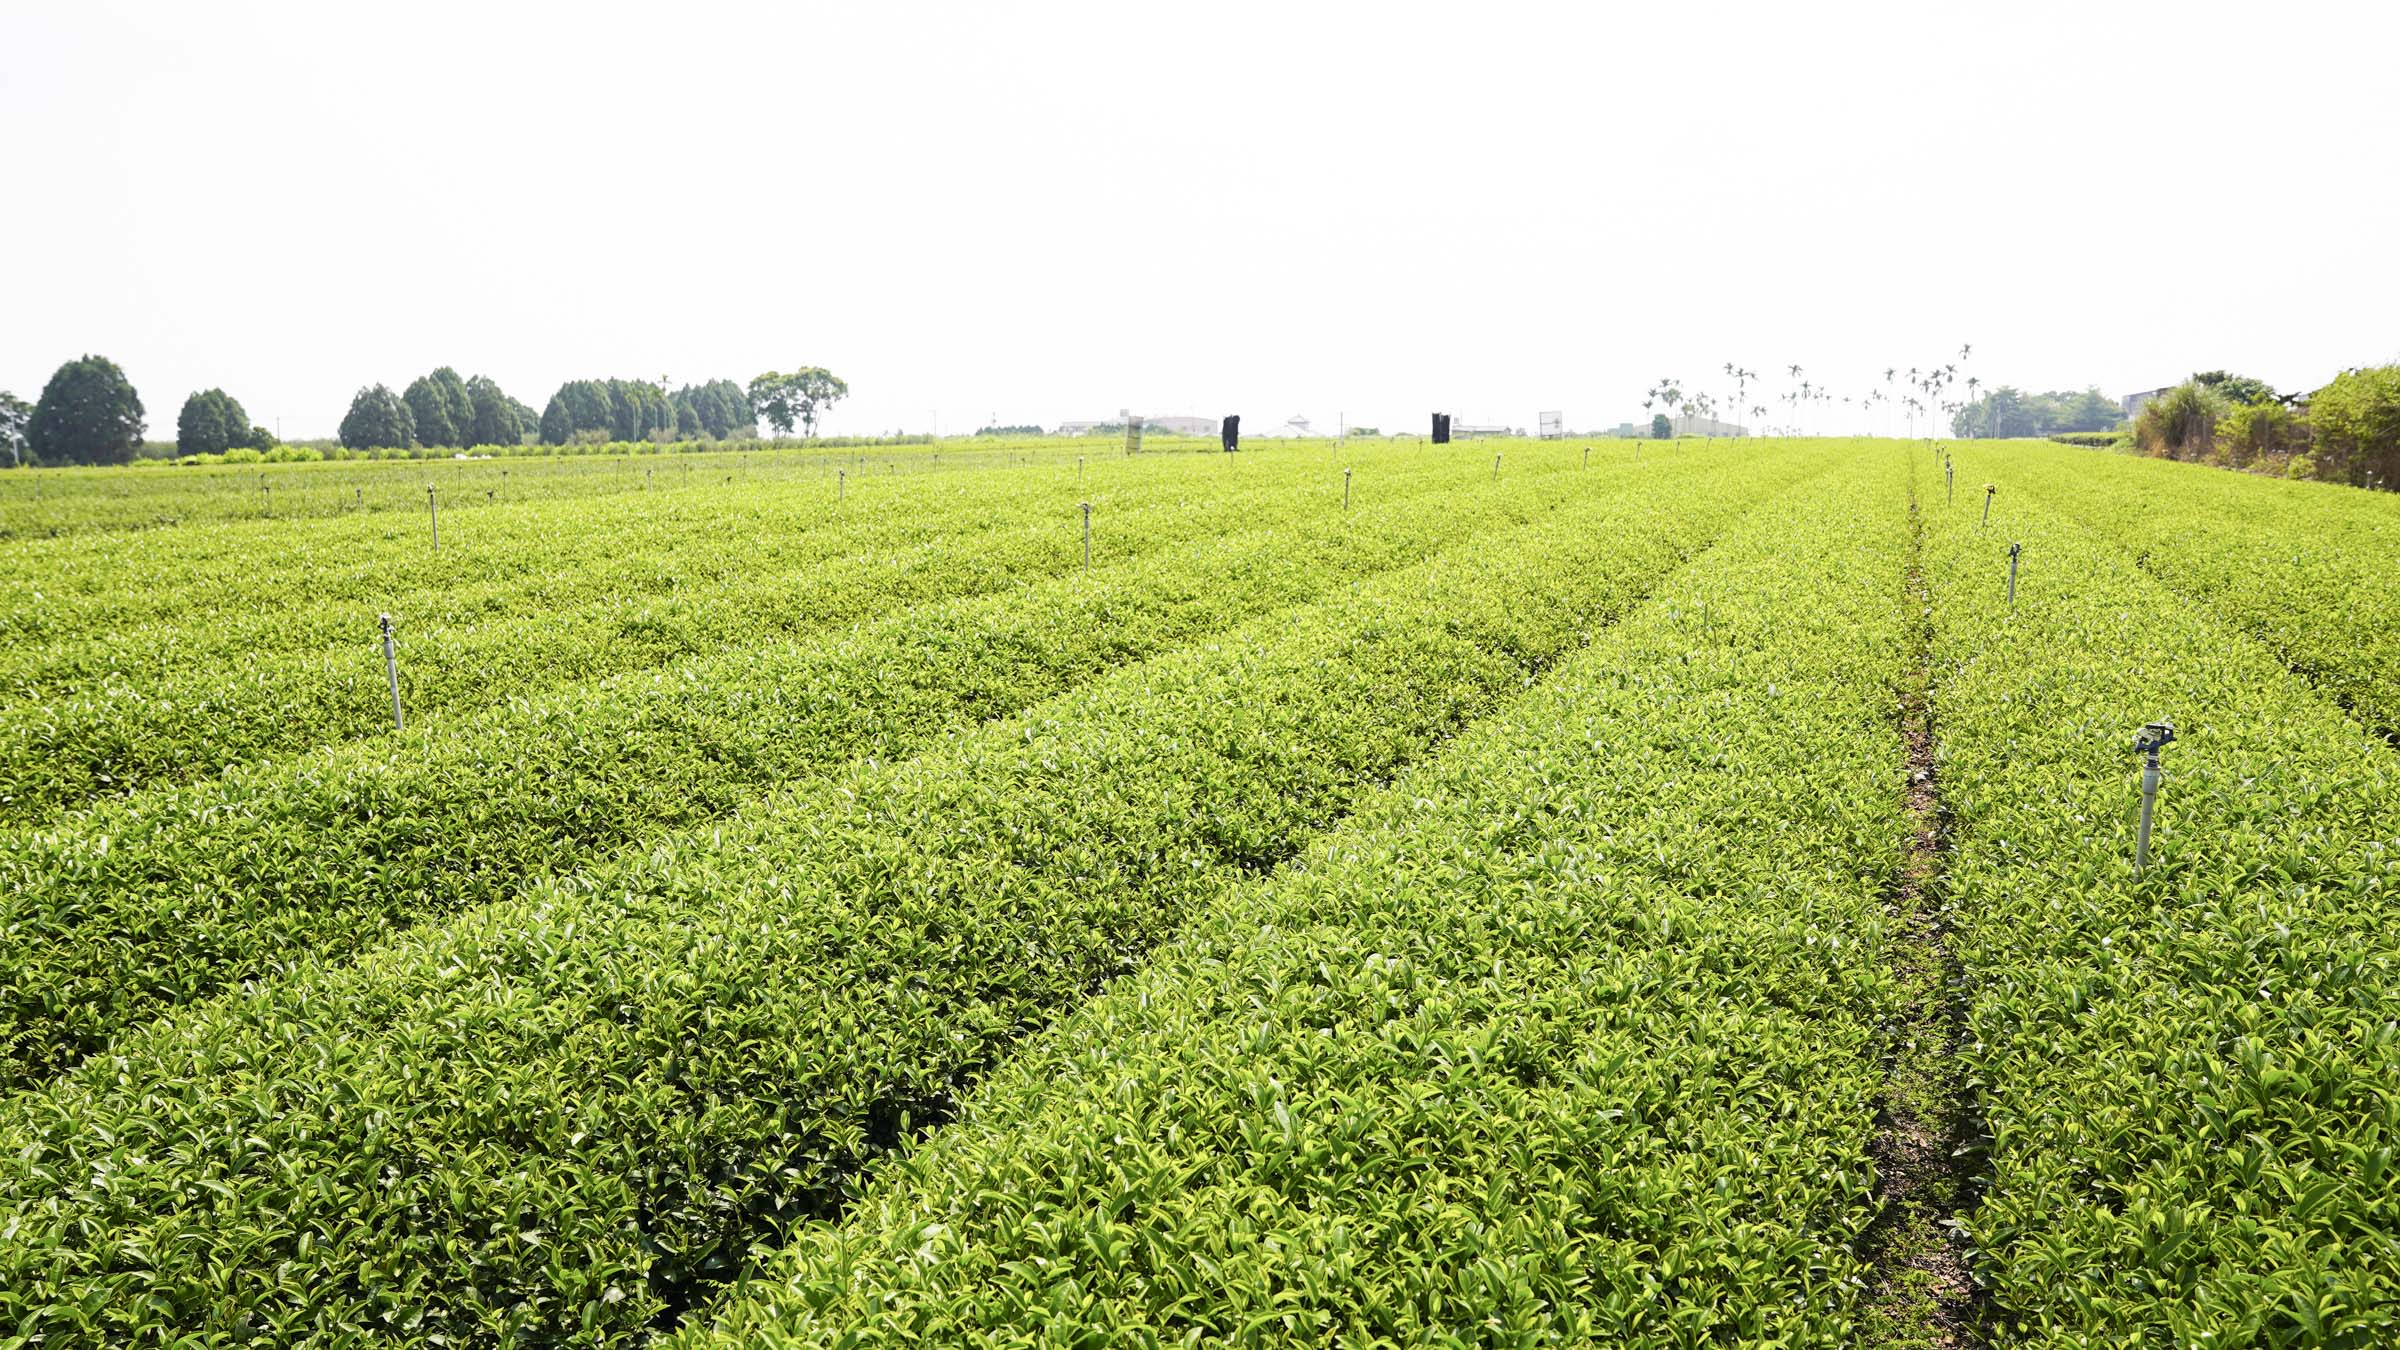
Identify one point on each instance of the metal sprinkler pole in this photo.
(1087, 536)
(433, 513)
(2148, 742)
(1495, 468)
(391, 669)
(1988, 490)
(841, 485)
(2013, 551)
(1345, 489)
(1949, 482)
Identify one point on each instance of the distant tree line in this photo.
(437, 409)
(587, 411)
(1011, 431)
(2007, 411)
(90, 413)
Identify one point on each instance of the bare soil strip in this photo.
(1923, 1293)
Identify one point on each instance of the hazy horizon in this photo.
(1346, 212)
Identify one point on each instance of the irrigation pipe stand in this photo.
(2148, 742)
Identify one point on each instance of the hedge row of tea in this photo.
(569, 1113)
(172, 895)
(2311, 570)
(54, 505)
(288, 660)
(1569, 1037)
(1460, 917)
(2191, 1078)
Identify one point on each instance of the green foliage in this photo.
(2190, 1078)
(494, 421)
(796, 398)
(458, 406)
(720, 409)
(2236, 390)
(622, 774)
(212, 423)
(2097, 440)
(429, 413)
(2259, 432)
(88, 414)
(2181, 423)
(449, 412)
(377, 419)
(1066, 841)
(1464, 918)
(558, 424)
(1011, 431)
(2007, 411)
(1551, 1041)
(641, 410)
(600, 1063)
(2356, 423)
(1661, 428)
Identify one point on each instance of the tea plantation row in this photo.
(1475, 916)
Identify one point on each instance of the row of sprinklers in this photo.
(2147, 743)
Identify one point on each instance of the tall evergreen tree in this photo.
(429, 413)
(495, 419)
(456, 402)
(211, 423)
(378, 420)
(558, 425)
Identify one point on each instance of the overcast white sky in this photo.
(1040, 212)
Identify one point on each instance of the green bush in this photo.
(2356, 422)
(2182, 422)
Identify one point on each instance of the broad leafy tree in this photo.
(87, 414)
(2237, 389)
(378, 420)
(798, 397)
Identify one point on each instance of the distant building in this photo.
(1164, 426)
(2132, 403)
(1682, 426)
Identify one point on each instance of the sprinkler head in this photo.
(2154, 737)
